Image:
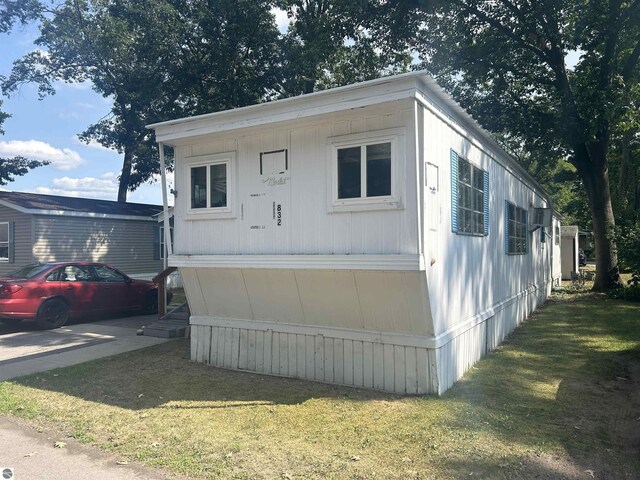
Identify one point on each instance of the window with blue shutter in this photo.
(469, 198)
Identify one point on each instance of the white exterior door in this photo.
(267, 212)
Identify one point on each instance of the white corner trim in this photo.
(323, 262)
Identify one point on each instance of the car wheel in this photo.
(11, 322)
(150, 303)
(53, 313)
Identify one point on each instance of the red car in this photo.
(51, 293)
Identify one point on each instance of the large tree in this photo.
(155, 59)
(506, 62)
(328, 44)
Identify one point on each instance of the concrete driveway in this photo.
(24, 349)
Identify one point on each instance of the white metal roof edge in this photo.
(285, 102)
(67, 213)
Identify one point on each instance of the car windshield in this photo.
(29, 271)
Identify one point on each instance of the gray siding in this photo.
(126, 244)
(22, 239)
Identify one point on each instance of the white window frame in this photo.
(395, 136)
(8, 244)
(227, 158)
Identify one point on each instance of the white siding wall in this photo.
(472, 274)
(312, 229)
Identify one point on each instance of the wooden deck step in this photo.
(173, 324)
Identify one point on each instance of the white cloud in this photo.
(105, 187)
(60, 85)
(68, 115)
(282, 21)
(92, 144)
(60, 158)
(85, 105)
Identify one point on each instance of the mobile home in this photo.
(371, 235)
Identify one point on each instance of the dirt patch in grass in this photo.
(558, 400)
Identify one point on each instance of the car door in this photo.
(80, 288)
(115, 291)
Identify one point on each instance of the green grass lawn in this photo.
(560, 398)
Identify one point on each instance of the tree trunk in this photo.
(125, 175)
(597, 184)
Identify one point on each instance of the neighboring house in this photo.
(370, 235)
(47, 228)
(569, 247)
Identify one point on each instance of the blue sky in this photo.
(47, 130)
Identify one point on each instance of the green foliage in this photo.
(329, 44)
(21, 11)
(628, 242)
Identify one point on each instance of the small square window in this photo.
(211, 178)
(366, 171)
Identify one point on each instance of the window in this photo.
(469, 197)
(516, 229)
(557, 230)
(109, 275)
(209, 186)
(211, 180)
(4, 242)
(366, 170)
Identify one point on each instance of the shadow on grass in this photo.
(163, 377)
(567, 380)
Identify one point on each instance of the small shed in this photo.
(49, 228)
(371, 235)
(556, 250)
(569, 247)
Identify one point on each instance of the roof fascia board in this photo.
(303, 107)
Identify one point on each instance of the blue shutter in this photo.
(506, 226)
(454, 191)
(486, 203)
